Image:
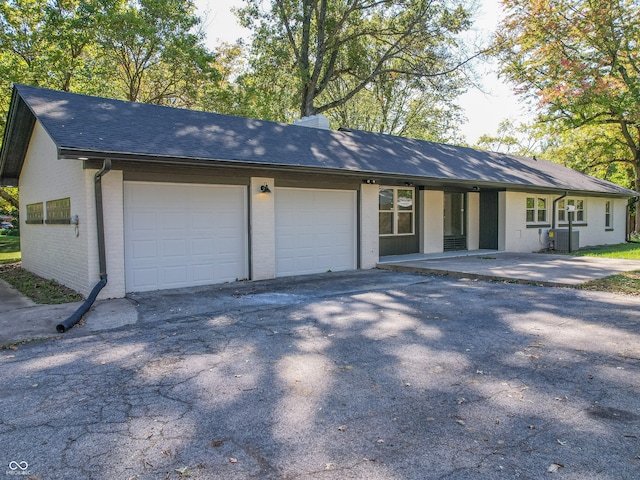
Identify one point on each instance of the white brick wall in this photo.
(113, 208)
(519, 238)
(369, 240)
(433, 226)
(263, 233)
(54, 251)
(596, 232)
(473, 221)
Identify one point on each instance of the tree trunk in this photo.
(11, 200)
(307, 109)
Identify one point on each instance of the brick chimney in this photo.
(314, 121)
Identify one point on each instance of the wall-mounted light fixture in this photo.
(265, 188)
(476, 189)
(369, 181)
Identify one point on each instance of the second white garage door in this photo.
(180, 235)
(315, 231)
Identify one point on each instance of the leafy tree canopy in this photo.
(329, 51)
(581, 60)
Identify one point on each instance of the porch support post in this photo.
(432, 235)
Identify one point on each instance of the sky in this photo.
(484, 107)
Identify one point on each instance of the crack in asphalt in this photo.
(407, 380)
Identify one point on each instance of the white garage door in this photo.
(315, 231)
(179, 235)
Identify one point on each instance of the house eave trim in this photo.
(93, 159)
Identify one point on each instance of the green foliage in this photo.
(9, 201)
(597, 150)
(581, 61)
(152, 52)
(9, 248)
(147, 50)
(399, 106)
(626, 251)
(627, 283)
(521, 139)
(38, 289)
(347, 57)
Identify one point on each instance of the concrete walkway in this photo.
(21, 319)
(543, 269)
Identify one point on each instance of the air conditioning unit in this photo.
(560, 239)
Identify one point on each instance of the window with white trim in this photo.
(578, 214)
(396, 211)
(537, 210)
(608, 215)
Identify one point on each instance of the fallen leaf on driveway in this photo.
(342, 428)
(554, 467)
(561, 442)
(233, 460)
(184, 471)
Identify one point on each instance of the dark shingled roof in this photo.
(84, 126)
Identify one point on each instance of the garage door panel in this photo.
(141, 249)
(204, 273)
(142, 220)
(174, 248)
(175, 276)
(183, 235)
(202, 247)
(146, 277)
(315, 231)
(202, 221)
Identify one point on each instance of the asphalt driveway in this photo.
(366, 374)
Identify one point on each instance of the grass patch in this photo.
(627, 251)
(38, 289)
(9, 249)
(626, 283)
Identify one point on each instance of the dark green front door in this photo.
(489, 220)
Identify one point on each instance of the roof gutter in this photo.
(553, 214)
(102, 258)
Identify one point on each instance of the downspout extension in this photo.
(102, 258)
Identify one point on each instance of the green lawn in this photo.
(9, 249)
(38, 289)
(628, 283)
(628, 251)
